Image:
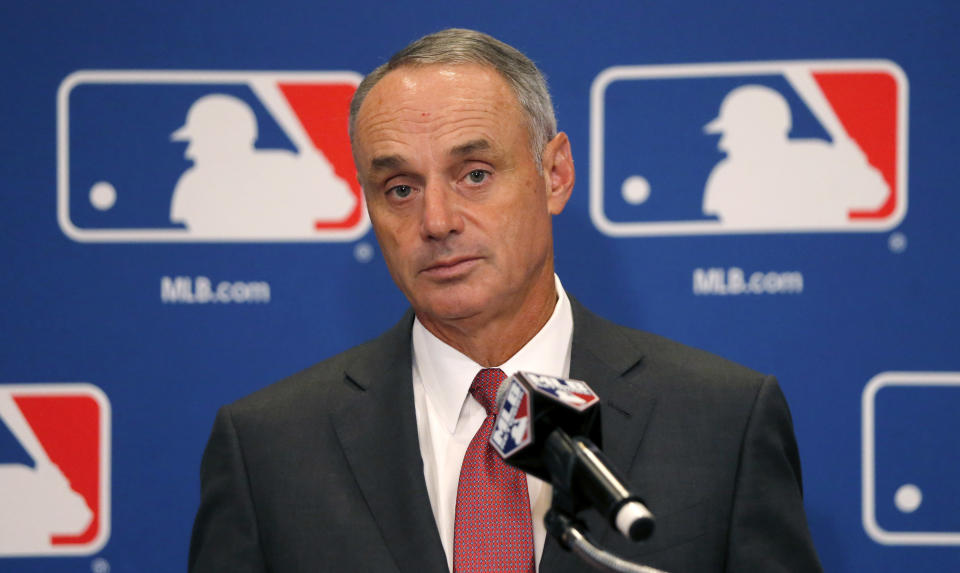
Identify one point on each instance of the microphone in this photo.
(547, 427)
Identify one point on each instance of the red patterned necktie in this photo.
(493, 530)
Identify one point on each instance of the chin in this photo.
(446, 308)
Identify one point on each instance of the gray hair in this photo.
(460, 46)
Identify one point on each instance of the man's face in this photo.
(460, 211)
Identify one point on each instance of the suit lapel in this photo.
(602, 357)
(377, 429)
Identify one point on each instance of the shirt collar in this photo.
(446, 373)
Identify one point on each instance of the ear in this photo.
(558, 172)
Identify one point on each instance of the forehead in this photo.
(441, 102)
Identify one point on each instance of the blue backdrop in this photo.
(125, 329)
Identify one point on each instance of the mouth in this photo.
(447, 269)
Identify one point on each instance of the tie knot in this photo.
(485, 386)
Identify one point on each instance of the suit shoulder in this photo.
(668, 353)
(679, 365)
(690, 383)
(325, 383)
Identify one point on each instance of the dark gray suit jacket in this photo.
(322, 471)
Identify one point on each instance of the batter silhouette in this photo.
(768, 180)
(236, 190)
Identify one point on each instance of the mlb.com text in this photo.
(734, 281)
(201, 290)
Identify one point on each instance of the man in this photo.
(374, 460)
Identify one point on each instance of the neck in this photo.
(491, 341)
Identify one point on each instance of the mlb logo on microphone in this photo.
(757, 147)
(572, 393)
(54, 470)
(189, 156)
(513, 430)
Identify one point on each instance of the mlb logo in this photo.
(764, 147)
(147, 156)
(911, 460)
(513, 430)
(573, 393)
(54, 470)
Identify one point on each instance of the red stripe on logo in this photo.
(324, 111)
(866, 105)
(69, 429)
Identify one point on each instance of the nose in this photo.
(441, 215)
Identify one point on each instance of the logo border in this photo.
(175, 77)
(106, 447)
(725, 69)
(868, 460)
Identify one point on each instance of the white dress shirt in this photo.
(448, 417)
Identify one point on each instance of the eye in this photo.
(477, 176)
(401, 191)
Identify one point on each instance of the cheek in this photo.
(524, 236)
(386, 238)
(396, 245)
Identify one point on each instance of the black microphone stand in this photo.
(566, 530)
(567, 501)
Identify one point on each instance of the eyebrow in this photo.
(389, 162)
(386, 162)
(471, 147)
